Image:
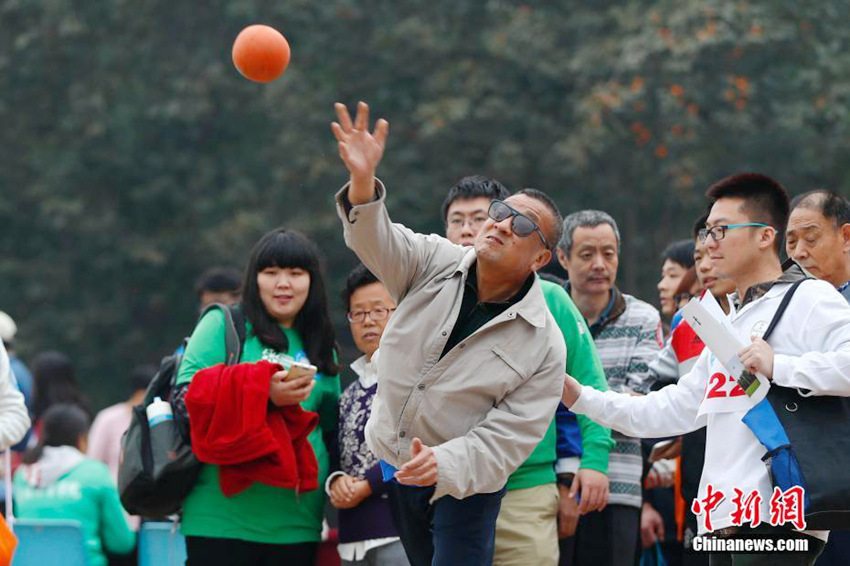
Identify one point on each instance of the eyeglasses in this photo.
(379, 313)
(719, 232)
(474, 221)
(521, 224)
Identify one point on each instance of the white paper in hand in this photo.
(707, 319)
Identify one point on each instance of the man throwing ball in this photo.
(471, 367)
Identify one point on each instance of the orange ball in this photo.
(260, 53)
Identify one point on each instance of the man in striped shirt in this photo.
(627, 333)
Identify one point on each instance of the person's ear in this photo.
(541, 260)
(83, 443)
(768, 237)
(845, 236)
(562, 258)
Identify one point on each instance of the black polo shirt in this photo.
(474, 314)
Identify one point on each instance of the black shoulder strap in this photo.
(238, 318)
(234, 330)
(781, 310)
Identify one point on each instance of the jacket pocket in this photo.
(518, 374)
(514, 365)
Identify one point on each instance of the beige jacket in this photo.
(487, 403)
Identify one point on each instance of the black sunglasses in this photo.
(521, 224)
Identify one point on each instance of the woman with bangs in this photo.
(286, 320)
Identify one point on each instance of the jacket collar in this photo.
(465, 263)
(614, 310)
(532, 307)
(791, 273)
(366, 371)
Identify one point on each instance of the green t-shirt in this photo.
(583, 364)
(86, 493)
(262, 513)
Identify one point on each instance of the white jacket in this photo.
(812, 351)
(14, 419)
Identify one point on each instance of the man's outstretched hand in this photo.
(360, 150)
(421, 469)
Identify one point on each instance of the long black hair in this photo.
(64, 424)
(288, 248)
(53, 376)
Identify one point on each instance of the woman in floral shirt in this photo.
(366, 531)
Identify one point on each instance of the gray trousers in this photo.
(388, 555)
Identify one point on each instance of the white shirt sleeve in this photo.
(668, 412)
(825, 333)
(14, 419)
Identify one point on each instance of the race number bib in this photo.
(723, 394)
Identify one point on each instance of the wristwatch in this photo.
(565, 479)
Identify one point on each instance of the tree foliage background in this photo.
(133, 155)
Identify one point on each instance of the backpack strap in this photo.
(781, 309)
(234, 330)
(238, 320)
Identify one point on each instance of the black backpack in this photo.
(817, 455)
(157, 468)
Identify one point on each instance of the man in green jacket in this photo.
(537, 510)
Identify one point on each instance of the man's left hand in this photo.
(758, 357)
(421, 469)
(594, 490)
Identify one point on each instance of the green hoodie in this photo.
(64, 484)
(262, 513)
(583, 364)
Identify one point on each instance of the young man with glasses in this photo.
(540, 507)
(471, 365)
(675, 361)
(809, 350)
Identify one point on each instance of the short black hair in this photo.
(219, 280)
(360, 276)
(765, 199)
(699, 225)
(829, 203)
(554, 235)
(681, 252)
(140, 377)
(474, 186)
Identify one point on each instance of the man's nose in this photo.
(505, 225)
(800, 251)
